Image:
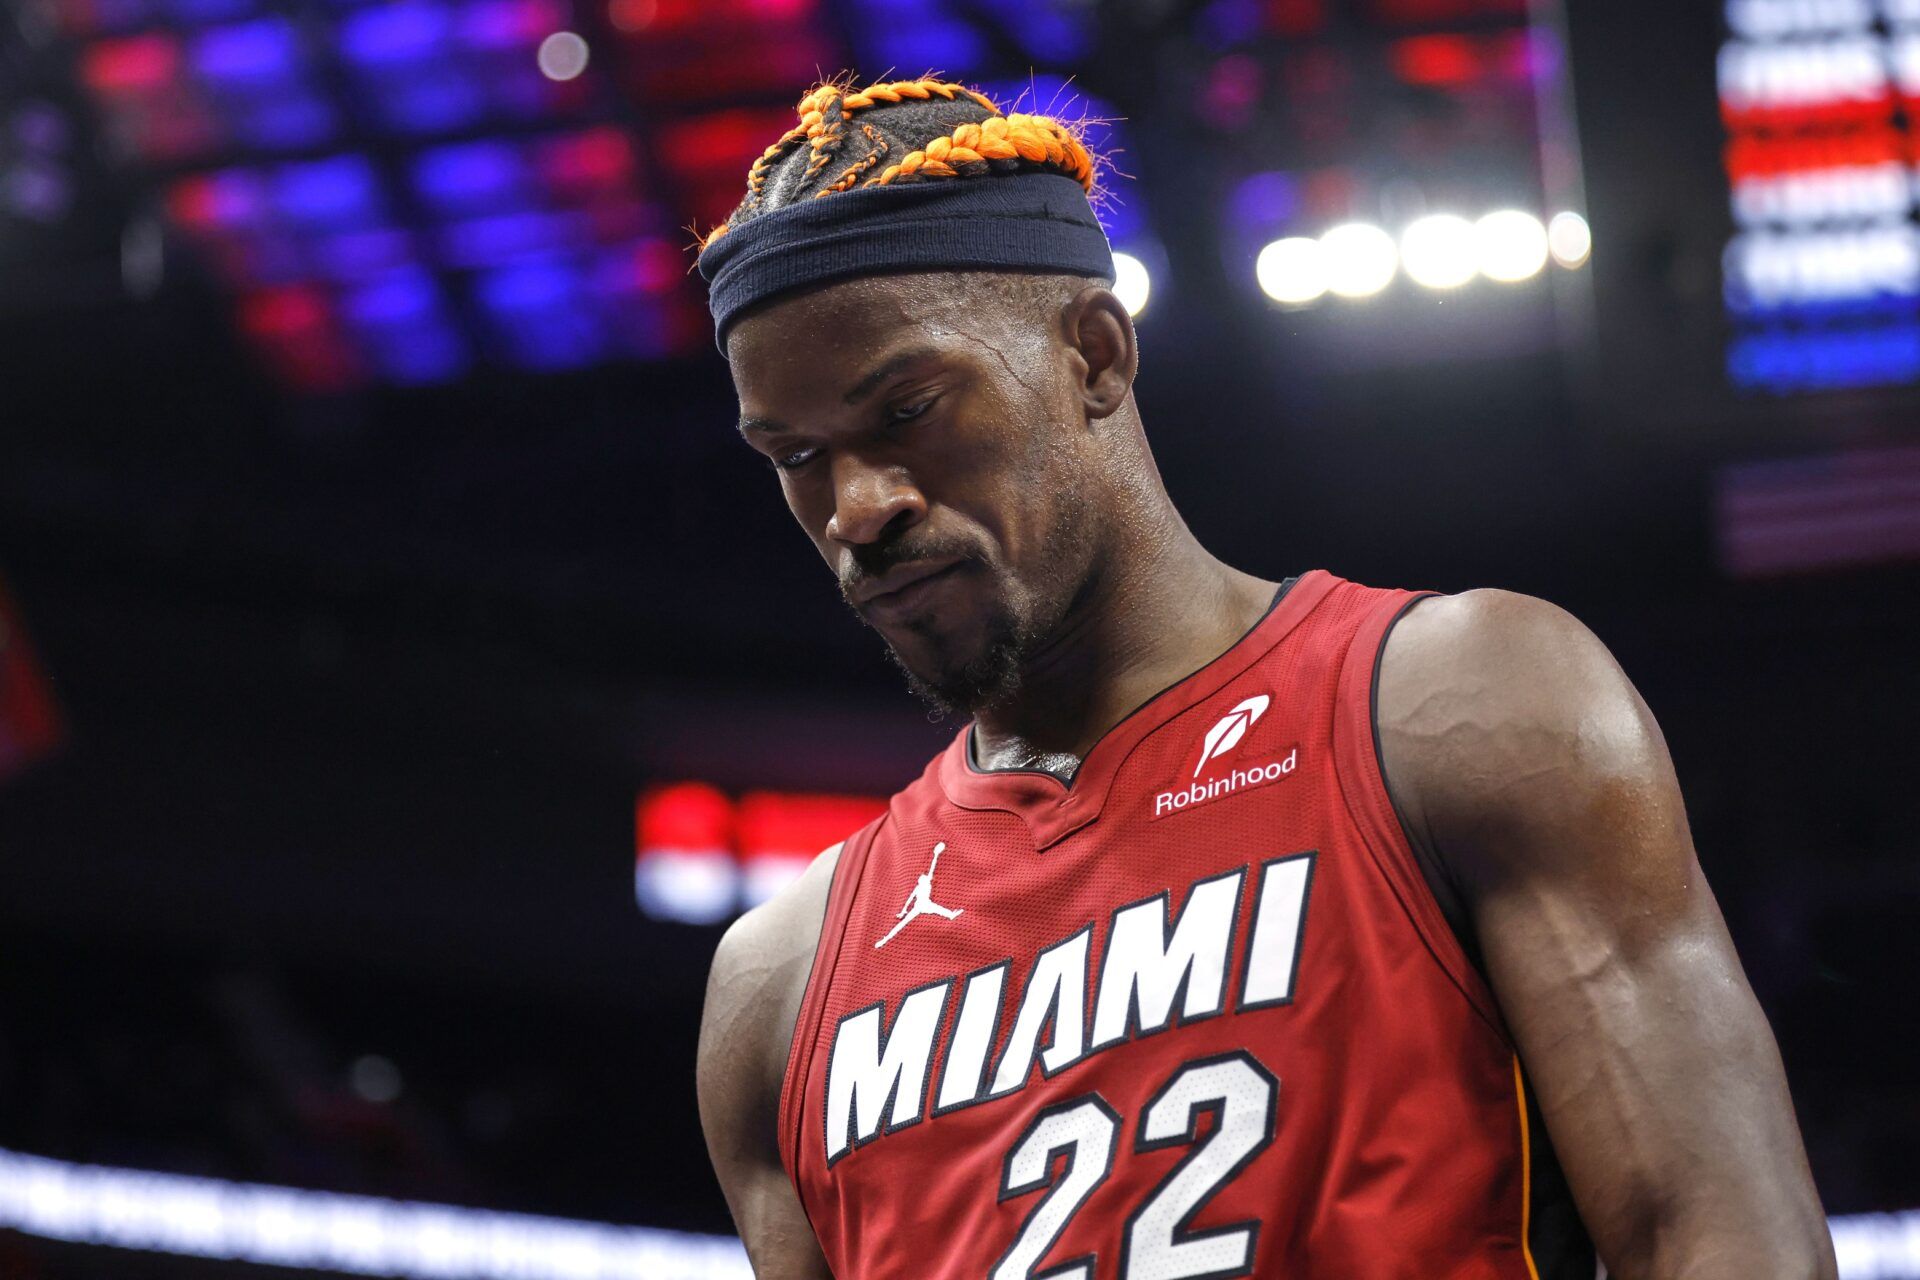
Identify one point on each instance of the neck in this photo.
(1160, 608)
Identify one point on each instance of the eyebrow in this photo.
(859, 391)
(869, 384)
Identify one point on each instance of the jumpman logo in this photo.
(920, 902)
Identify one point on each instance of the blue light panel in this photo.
(547, 236)
(904, 38)
(337, 193)
(536, 312)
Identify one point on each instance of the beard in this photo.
(983, 665)
(951, 684)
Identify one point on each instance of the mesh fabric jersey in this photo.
(1195, 1013)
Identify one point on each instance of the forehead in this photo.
(830, 336)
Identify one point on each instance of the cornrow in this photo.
(934, 146)
(859, 168)
(1000, 143)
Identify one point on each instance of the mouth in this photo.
(903, 587)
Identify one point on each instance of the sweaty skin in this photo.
(1518, 754)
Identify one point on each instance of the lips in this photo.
(895, 586)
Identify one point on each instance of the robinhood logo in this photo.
(1222, 738)
(1233, 726)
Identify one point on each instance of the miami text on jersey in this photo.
(878, 1072)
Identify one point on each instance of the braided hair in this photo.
(903, 131)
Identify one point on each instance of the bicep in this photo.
(1544, 783)
(738, 1116)
(753, 994)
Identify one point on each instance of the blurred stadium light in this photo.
(1132, 283)
(1438, 251)
(362, 1235)
(358, 1235)
(780, 833)
(396, 193)
(1858, 507)
(31, 724)
(1823, 274)
(402, 194)
(700, 857)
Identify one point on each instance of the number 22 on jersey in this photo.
(1154, 1242)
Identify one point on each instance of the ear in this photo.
(1100, 332)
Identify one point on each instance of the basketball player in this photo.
(1297, 930)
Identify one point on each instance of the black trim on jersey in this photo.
(987, 1064)
(1299, 938)
(1047, 1179)
(1556, 1237)
(1176, 1016)
(854, 1140)
(1183, 1228)
(1051, 1022)
(1067, 781)
(1441, 883)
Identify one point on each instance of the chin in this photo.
(952, 679)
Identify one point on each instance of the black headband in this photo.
(997, 222)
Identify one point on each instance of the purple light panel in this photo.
(501, 220)
(913, 35)
(258, 78)
(1120, 206)
(698, 52)
(1793, 515)
(433, 67)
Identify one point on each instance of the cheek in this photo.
(812, 506)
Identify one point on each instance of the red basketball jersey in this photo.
(1194, 1014)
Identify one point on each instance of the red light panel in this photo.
(30, 721)
(1296, 17)
(779, 823)
(138, 64)
(296, 331)
(1436, 61)
(591, 162)
(683, 815)
(709, 157)
(1417, 13)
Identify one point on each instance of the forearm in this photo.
(1701, 1243)
(1667, 1103)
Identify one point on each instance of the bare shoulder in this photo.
(1502, 716)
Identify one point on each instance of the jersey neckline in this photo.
(1054, 808)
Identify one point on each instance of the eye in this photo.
(795, 460)
(907, 413)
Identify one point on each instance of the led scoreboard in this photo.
(1822, 275)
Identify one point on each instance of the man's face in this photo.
(929, 437)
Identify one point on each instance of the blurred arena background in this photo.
(404, 672)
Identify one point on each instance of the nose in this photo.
(871, 502)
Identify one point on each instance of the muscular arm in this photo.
(1522, 758)
(753, 996)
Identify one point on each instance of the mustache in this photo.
(870, 561)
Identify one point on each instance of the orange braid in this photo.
(859, 168)
(919, 90)
(1002, 142)
(999, 143)
(825, 127)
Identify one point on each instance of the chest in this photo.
(975, 965)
